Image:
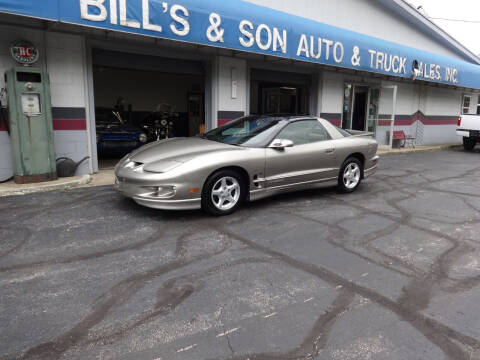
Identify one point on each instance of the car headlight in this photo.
(143, 138)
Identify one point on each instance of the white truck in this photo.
(468, 127)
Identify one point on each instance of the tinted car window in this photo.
(250, 131)
(304, 132)
(343, 132)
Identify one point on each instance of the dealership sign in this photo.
(24, 53)
(239, 25)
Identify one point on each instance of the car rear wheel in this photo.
(468, 144)
(350, 175)
(223, 193)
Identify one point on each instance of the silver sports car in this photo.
(246, 160)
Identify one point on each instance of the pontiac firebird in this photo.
(248, 159)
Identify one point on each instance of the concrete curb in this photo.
(34, 188)
(418, 149)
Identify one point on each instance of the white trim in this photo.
(86, 92)
(436, 31)
(214, 81)
(90, 105)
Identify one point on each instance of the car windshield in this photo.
(250, 131)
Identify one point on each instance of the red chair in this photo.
(400, 139)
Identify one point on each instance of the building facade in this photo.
(367, 65)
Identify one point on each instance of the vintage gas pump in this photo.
(31, 130)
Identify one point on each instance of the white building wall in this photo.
(443, 101)
(332, 92)
(6, 165)
(66, 66)
(367, 17)
(229, 106)
(407, 97)
(225, 100)
(427, 112)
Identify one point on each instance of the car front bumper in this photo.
(165, 191)
(140, 196)
(193, 204)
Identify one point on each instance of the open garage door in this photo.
(140, 99)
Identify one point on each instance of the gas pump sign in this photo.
(31, 104)
(24, 53)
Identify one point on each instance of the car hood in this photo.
(112, 128)
(162, 156)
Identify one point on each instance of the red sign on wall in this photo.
(24, 53)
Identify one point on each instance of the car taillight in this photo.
(459, 121)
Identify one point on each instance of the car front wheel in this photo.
(468, 144)
(223, 193)
(350, 175)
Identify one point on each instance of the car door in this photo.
(311, 159)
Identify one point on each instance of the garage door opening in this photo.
(283, 93)
(141, 99)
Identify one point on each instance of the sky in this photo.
(465, 33)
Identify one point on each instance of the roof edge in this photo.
(410, 12)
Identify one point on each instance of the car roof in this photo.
(287, 117)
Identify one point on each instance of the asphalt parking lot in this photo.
(390, 272)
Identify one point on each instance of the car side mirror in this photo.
(280, 144)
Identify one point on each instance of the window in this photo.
(344, 132)
(466, 104)
(250, 131)
(304, 132)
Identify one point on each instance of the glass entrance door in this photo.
(382, 104)
(355, 100)
(372, 116)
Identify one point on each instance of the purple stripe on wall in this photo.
(64, 118)
(407, 120)
(69, 124)
(401, 120)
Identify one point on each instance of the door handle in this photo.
(330, 151)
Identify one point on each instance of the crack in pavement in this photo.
(106, 303)
(317, 337)
(437, 333)
(415, 297)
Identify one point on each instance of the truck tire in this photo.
(468, 144)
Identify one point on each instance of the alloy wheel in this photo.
(351, 175)
(225, 193)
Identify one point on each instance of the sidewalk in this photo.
(410, 149)
(106, 177)
(10, 188)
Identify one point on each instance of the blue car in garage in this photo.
(115, 136)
